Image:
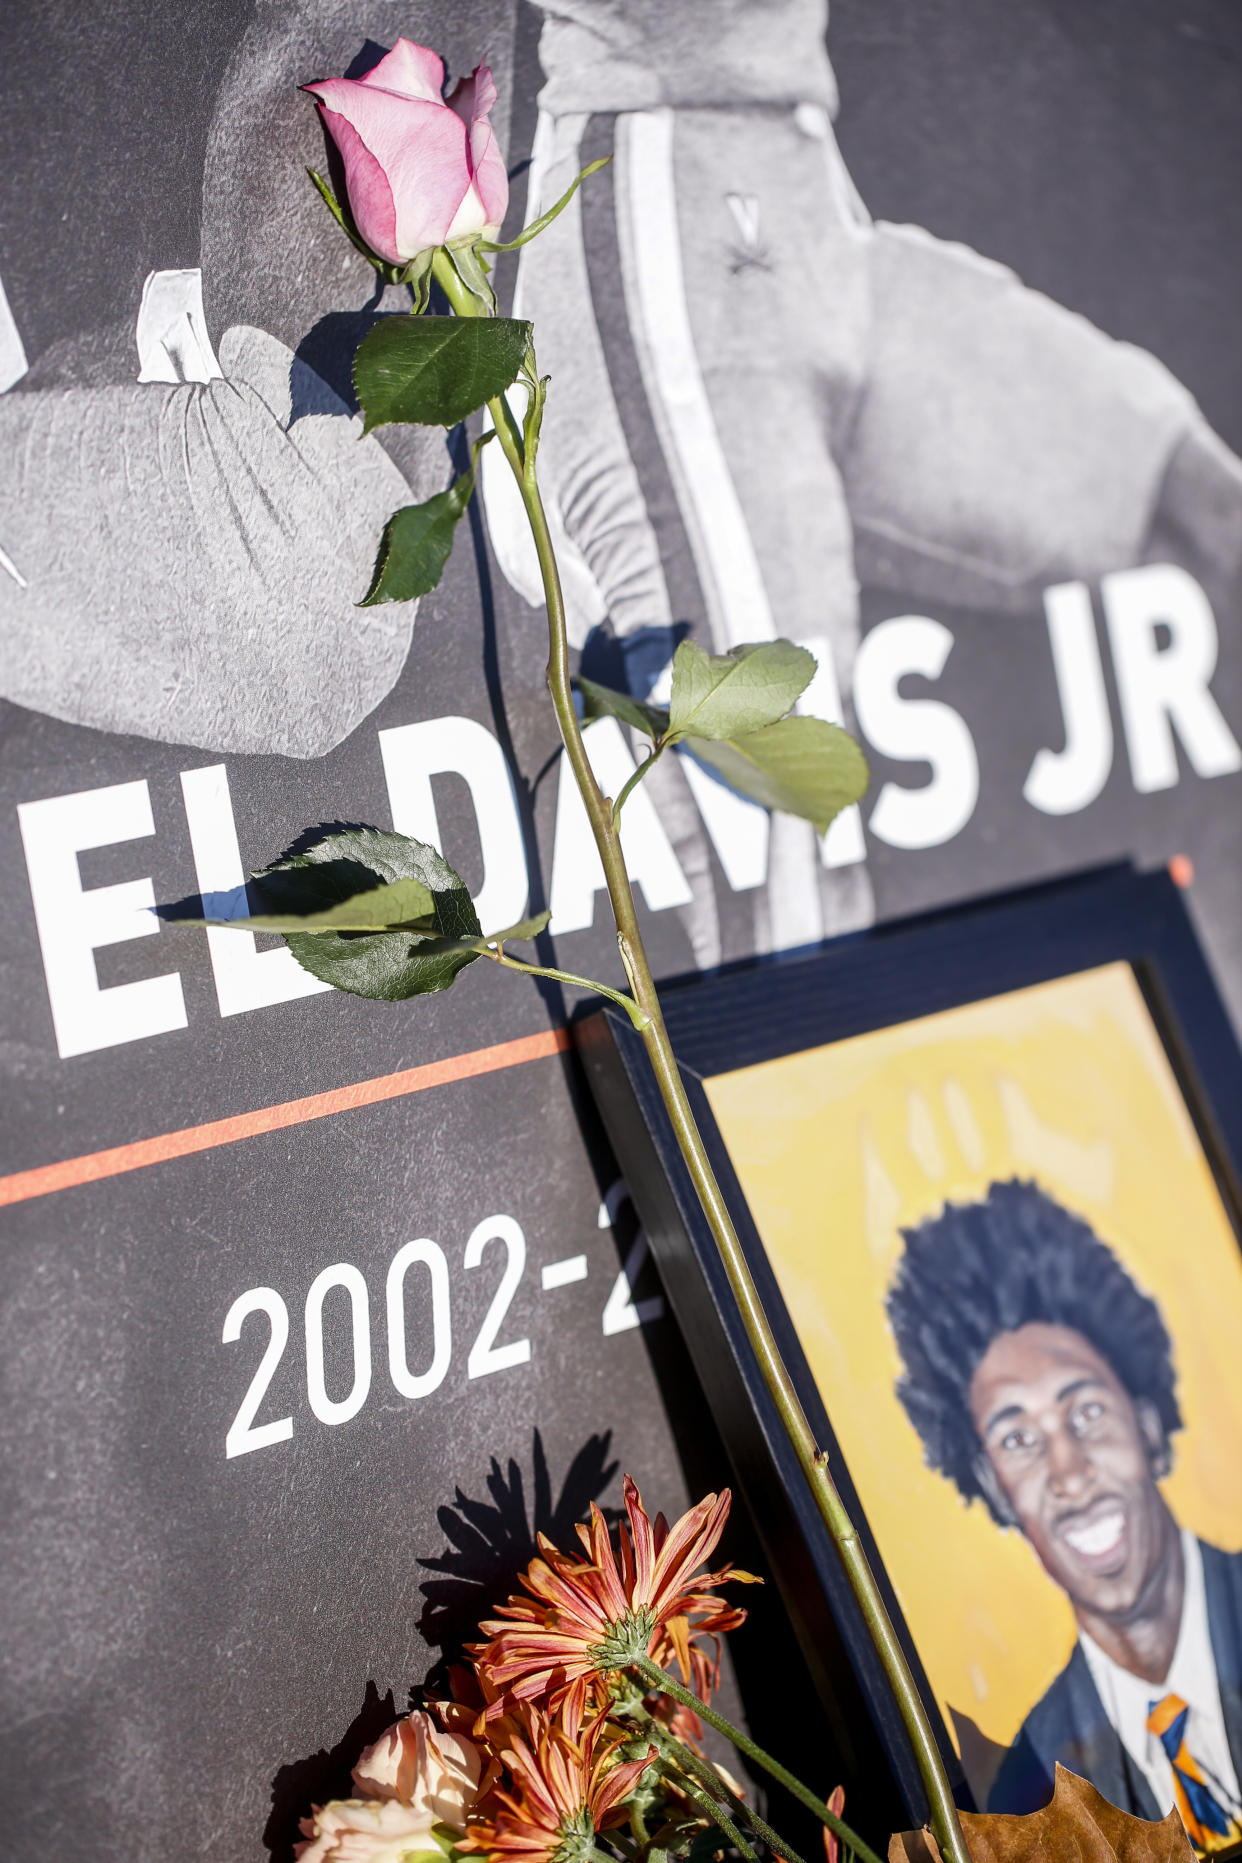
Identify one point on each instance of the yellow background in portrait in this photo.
(836, 1148)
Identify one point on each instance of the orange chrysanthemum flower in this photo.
(565, 1785)
(579, 1619)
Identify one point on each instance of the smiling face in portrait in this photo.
(1074, 1459)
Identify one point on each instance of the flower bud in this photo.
(419, 171)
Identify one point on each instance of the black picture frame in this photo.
(890, 975)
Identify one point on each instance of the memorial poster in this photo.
(290, 1276)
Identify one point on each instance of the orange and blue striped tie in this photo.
(1208, 1825)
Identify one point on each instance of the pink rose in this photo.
(436, 1773)
(419, 172)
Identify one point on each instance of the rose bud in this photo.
(435, 1773)
(419, 171)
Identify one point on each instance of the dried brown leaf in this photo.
(1077, 1825)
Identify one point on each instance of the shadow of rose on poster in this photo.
(1065, 1085)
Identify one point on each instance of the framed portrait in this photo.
(986, 1169)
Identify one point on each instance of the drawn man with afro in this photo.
(1041, 1381)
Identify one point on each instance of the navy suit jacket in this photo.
(1069, 1724)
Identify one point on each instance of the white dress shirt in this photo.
(1128, 1699)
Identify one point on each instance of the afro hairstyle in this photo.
(980, 1269)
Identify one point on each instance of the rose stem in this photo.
(813, 1459)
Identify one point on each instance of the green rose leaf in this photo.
(804, 766)
(418, 541)
(433, 371)
(524, 929)
(415, 961)
(292, 889)
(604, 702)
(405, 903)
(725, 695)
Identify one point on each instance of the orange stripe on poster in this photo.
(46, 1178)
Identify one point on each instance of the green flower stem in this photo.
(719, 1817)
(693, 1762)
(656, 1678)
(682, 1755)
(637, 1016)
(634, 779)
(775, 1374)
